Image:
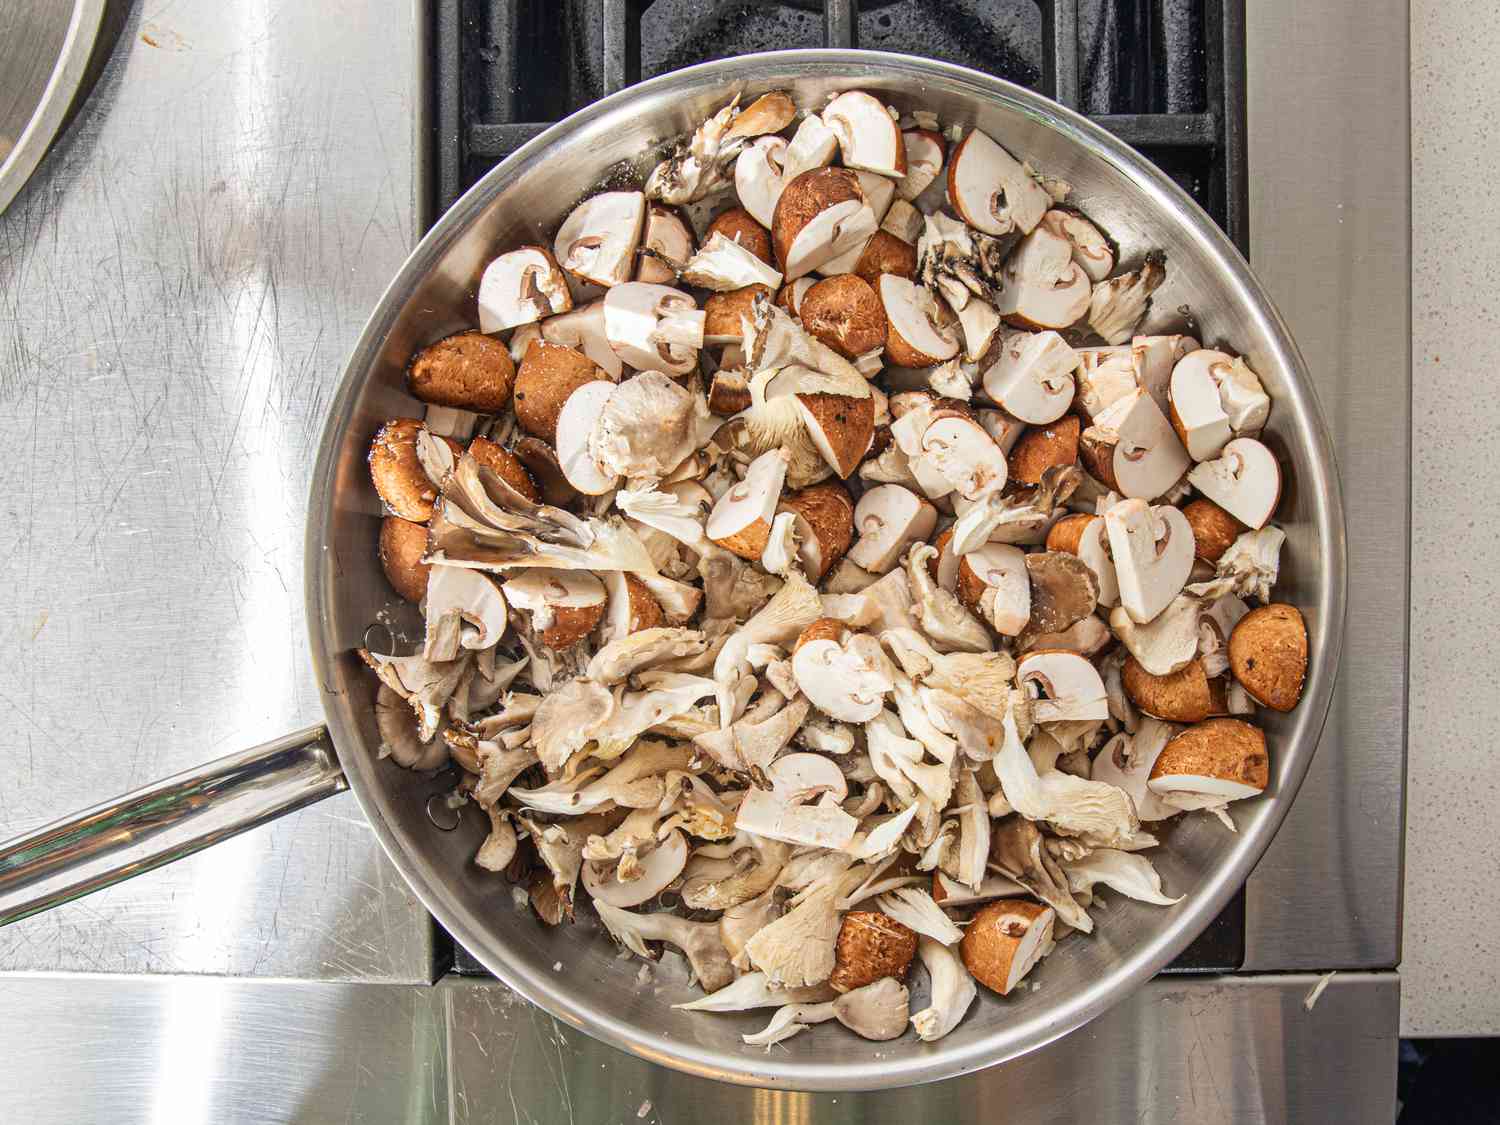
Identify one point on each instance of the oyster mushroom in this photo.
(1132, 448)
(666, 244)
(646, 428)
(889, 518)
(752, 742)
(759, 177)
(564, 605)
(876, 1011)
(1005, 941)
(1153, 554)
(699, 941)
(991, 190)
(754, 990)
(653, 326)
(521, 287)
(723, 264)
(1243, 397)
(711, 889)
(1032, 377)
(797, 949)
(1248, 567)
(1091, 250)
(598, 239)
(1106, 375)
(915, 338)
(1245, 481)
(939, 612)
(820, 215)
(951, 991)
(400, 735)
(867, 135)
(1131, 875)
(1117, 306)
(1043, 287)
(1169, 642)
(1063, 590)
(700, 167)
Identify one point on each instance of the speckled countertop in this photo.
(1450, 965)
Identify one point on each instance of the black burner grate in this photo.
(1166, 76)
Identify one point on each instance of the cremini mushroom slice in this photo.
(759, 177)
(867, 135)
(1245, 481)
(597, 241)
(654, 327)
(540, 462)
(905, 223)
(844, 313)
(722, 264)
(992, 581)
(1032, 377)
(583, 330)
(792, 293)
(991, 190)
(1106, 375)
(1169, 642)
(1091, 250)
(1085, 536)
(1043, 286)
(575, 422)
(1005, 940)
(632, 608)
(1131, 448)
(1183, 696)
(1126, 762)
(813, 146)
(1153, 554)
(1088, 636)
(1152, 359)
(547, 377)
(824, 527)
(505, 465)
(666, 244)
(466, 371)
(1197, 415)
(738, 225)
(1210, 764)
(564, 605)
(1268, 655)
(820, 215)
(1041, 449)
(870, 946)
(889, 519)
(400, 478)
(1118, 305)
(464, 609)
(1214, 529)
(741, 520)
(924, 161)
(915, 338)
(960, 449)
(1062, 686)
(521, 287)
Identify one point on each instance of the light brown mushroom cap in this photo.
(1268, 655)
(402, 545)
(738, 225)
(1226, 750)
(870, 945)
(467, 371)
(841, 426)
(826, 525)
(1182, 697)
(916, 337)
(1004, 941)
(548, 376)
(506, 465)
(729, 393)
(565, 605)
(397, 472)
(844, 313)
(802, 200)
(725, 314)
(886, 253)
(1042, 447)
(1214, 529)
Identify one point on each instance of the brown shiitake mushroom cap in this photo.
(1184, 696)
(465, 371)
(1226, 749)
(506, 465)
(724, 311)
(870, 945)
(402, 545)
(1214, 529)
(548, 375)
(844, 313)
(1268, 655)
(738, 225)
(397, 471)
(885, 253)
(1042, 447)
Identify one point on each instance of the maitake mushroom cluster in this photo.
(846, 586)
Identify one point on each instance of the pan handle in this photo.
(142, 830)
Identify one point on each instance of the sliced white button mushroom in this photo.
(1132, 448)
(1091, 250)
(820, 215)
(598, 240)
(1085, 536)
(583, 329)
(758, 178)
(889, 519)
(915, 339)
(575, 424)
(653, 327)
(1044, 287)
(1126, 762)
(724, 264)
(993, 578)
(904, 221)
(1153, 358)
(844, 681)
(991, 190)
(670, 240)
(1062, 685)
(965, 454)
(1032, 377)
(521, 287)
(1245, 481)
(741, 520)
(867, 135)
(924, 161)
(1153, 554)
(806, 777)
(813, 146)
(1197, 414)
(1105, 376)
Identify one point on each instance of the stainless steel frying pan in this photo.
(522, 200)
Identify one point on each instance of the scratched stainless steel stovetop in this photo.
(178, 286)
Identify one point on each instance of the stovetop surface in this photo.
(1166, 76)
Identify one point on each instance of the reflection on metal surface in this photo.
(178, 288)
(1239, 1049)
(1329, 229)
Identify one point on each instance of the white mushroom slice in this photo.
(660, 866)
(967, 457)
(742, 518)
(654, 327)
(1091, 250)
(1032, 378)
(758, 178)
(583, 329)
(723, 264)
(521, 287)
(812, 146)
(575, 422)
(1105, 376)
(1197, 414)
(465, 609)
(980, 322)
(846, 682)
(598, 240)
(1132, 448)
(889, 519)
(1153, 555)
(916, 340)
(1005, 601)
(1043, 286)
(669, 239)
(1245, 481)
(1167, 644)
(991, 190)
(1003, 427)
(1152, 359)
(924, 162)
(1244, 399)
(1116, 306)
(867, 135)
(833, 230)
(904, 221)
(1062, 686)
(1126, 761)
